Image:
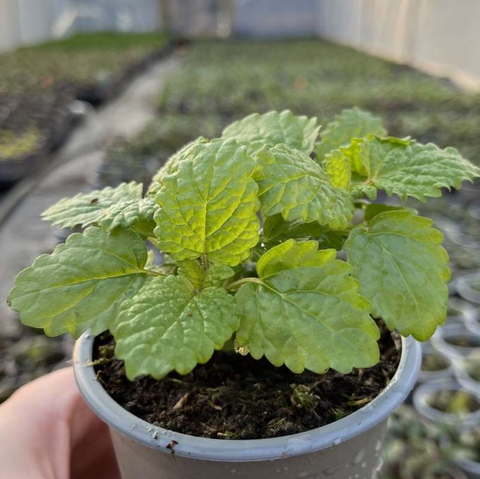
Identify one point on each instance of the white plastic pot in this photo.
(460, 311)
(424, 376)
(464, 378)
(465, 289)
(441, 341)
(425, 392)
(472, 322)
(348, 448)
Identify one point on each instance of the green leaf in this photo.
(373, 210)
(201, 279)
(171, 166)
(272, 128)
(193, 271)
(217, 274)
(82, 284)
(87, 208)
(353, 153)
(167, 326)
(338, 168)
(277, 230)
(306, 317)
(209, 207)
(349, 124)
(129, 213)
(361, 190)
(294, 185)
(292, 254)
(402, 270)
(413, 169)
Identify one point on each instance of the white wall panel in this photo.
(439, 36)
(448, 39)
(345, 21)
(9, 34)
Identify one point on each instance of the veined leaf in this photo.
(349, 124)
(171, 166)
(208, 208)
(167, 326)
(298, 132)
(130, 213)
(338, 168)
(360, 190)
(87, 208)
(402, 270)
(193, 271)
(306, 317)
(412, 169)
(277, 230)
(353, 153)
(375, 209)
(292, 254)
(294, 185)
(82, 284)
(216, 275)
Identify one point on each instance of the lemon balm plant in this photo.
(252, 227)
(278, 290)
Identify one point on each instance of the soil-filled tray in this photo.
(31, 127)
(98, 93)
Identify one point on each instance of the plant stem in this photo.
(237, 284)
(205, 261)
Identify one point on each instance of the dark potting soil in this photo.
(238, 397)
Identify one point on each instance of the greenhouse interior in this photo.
(240, 239)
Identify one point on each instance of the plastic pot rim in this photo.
(464, 378)
(447, 349)
(424, 375)
(465, 290)
(467, 309)
(426, 390)
(252, 450)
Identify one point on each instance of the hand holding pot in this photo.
(48, 432)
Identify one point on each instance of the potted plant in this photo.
(254, 227)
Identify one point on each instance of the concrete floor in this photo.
(23, 235)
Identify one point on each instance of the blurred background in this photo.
(97, 92)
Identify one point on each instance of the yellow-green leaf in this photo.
(209, 206)
(275, 128)
(294, 185)
(412, 169)
(307, 317)
(350, 124)
(82, 284)
(168, 326)
(402, 270)
(87, 208)
(338, 168)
